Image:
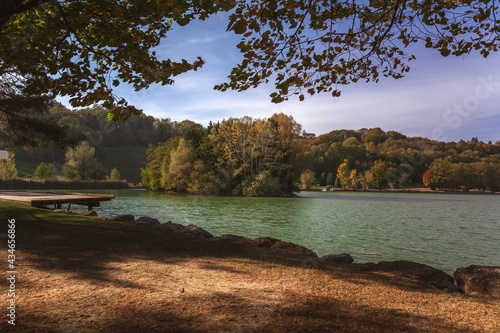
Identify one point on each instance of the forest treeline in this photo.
(255, 157)
(372, 158)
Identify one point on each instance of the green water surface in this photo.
(442, 230)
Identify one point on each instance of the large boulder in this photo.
(172, 227)
(88, 213)
(234, 239)
(196, 231)
(428, 275)
(292, 248)
(147, 221)
(123, 218)
(265, 242)
(338, 259)
(479, 280)
(277, 245)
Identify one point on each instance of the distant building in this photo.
(4, 154)
(308, 135)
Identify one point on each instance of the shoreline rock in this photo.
(338, 259)
(196, 231)
(427, 274)
(174, 227)
(234, 239)
(123, 218)
(477, 280)
(292, 249)
(265, 242)
(146, 220)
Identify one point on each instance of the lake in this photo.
(445, 231)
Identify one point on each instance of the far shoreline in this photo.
(416, 190)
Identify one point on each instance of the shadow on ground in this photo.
(87, 248)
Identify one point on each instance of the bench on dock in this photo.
(45, 199)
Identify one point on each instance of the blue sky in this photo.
(446, 99)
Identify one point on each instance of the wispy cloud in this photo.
(204, 40)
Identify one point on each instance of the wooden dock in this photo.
(45, 199)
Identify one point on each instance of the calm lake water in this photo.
(445, 231)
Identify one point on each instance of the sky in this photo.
(445, 99)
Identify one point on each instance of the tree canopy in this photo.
(312, 46)
(84, 49)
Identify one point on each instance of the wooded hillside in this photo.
(266, 156)
(269, 156)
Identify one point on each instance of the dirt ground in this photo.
(80, 274)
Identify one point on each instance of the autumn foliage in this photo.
(427, 179)
(245, 156)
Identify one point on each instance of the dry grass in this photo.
(84, 275)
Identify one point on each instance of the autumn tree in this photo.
(440, 173)
(247, 147)
(313, 46)
(289, 150)
(492, 177)
(180, 167)
(158, 158)
(379, 173)
(353, 150)
(237, 153)
(427, 179)
(365, 180)
(346, 175)
(308, 179)
(392, 177)
(404, 181)
(375, 135)
(478, 171)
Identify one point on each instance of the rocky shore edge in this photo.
(474, 280)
